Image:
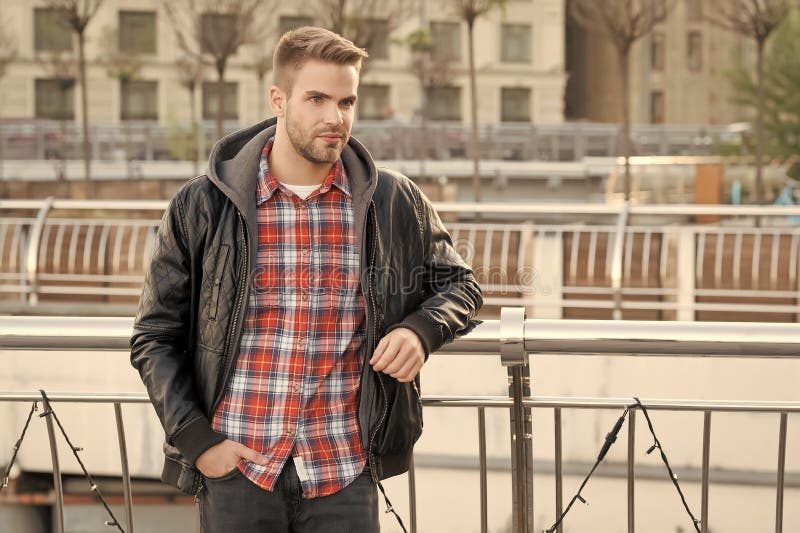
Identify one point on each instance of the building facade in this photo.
(678, 73)
(132, 54)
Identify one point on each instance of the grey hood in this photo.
(233, 168)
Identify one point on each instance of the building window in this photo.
(292, 22)
(139, 100)
(515, 45)
(216, 30)
(373, 102)
(379, 32)
(446, 41)
(695, 51)
(657, 107)
(515, 105)
(55, 98)
(230, 103)
(137, 32)
(657, 51)
(694, 10)
(51, 30)
(445, 103)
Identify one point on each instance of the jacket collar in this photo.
(234, 164)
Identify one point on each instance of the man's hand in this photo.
(224, 457)
(399, 354)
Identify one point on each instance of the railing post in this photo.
(126, 475)
(616, 261)
(513, 355)
(781, 473)
(58, 516)
(32, 257)
(685, 275)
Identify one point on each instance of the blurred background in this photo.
(631, 160)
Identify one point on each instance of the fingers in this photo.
(399, 354)
(409, 371)
(391, 345)
(251, 455)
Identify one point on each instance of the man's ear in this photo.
(277, 101)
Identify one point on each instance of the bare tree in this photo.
(191, 72)
(757, 20)
(123, 66)
(61, 67)
(77, 14)
(365, 22)
(470, 11)
(8, 51)
(431, 74)
(624, 22)
(214, 30)
(261, 66)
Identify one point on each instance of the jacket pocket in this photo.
(403, 424)
(219, 271)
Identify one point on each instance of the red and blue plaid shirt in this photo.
(294, 390)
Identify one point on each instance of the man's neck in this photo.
(292, 168)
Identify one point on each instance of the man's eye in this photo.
(316, 99)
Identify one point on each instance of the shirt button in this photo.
(290, 431)
(296, 387)
(306, 251)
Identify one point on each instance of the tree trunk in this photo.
(195, 147)
(423, 120)
(760, 124)
(84, 112)
(220, 101)
(473, 97)
(624, 57)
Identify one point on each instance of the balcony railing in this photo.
(515, 340)
(556, 142)
(580, 261)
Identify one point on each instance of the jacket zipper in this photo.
(224, 369)
(371, 290)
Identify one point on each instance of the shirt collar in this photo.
(268, 183)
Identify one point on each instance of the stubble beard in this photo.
(303, 143)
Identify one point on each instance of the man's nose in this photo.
(333, 115)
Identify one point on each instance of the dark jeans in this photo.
(234, 504)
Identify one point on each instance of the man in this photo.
(293, 296)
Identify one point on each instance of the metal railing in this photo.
(40, 139)
(514, 339)
(618, 258)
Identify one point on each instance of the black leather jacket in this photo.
(188, 327)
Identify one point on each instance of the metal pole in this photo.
(58, 518)
(616, 263)
(513, 356)
(521, 467)
(482, 458)
(32, 257)
(704, 487)
(558, 467)
(126, 476)
(781, 474)
(412, 495)
(631, 469)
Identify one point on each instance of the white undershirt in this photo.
(301, 190)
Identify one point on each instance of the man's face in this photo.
(319, 113)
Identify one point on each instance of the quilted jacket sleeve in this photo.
(160, 340)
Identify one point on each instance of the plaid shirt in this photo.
(294, 390)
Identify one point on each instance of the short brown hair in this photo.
(298, 46)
